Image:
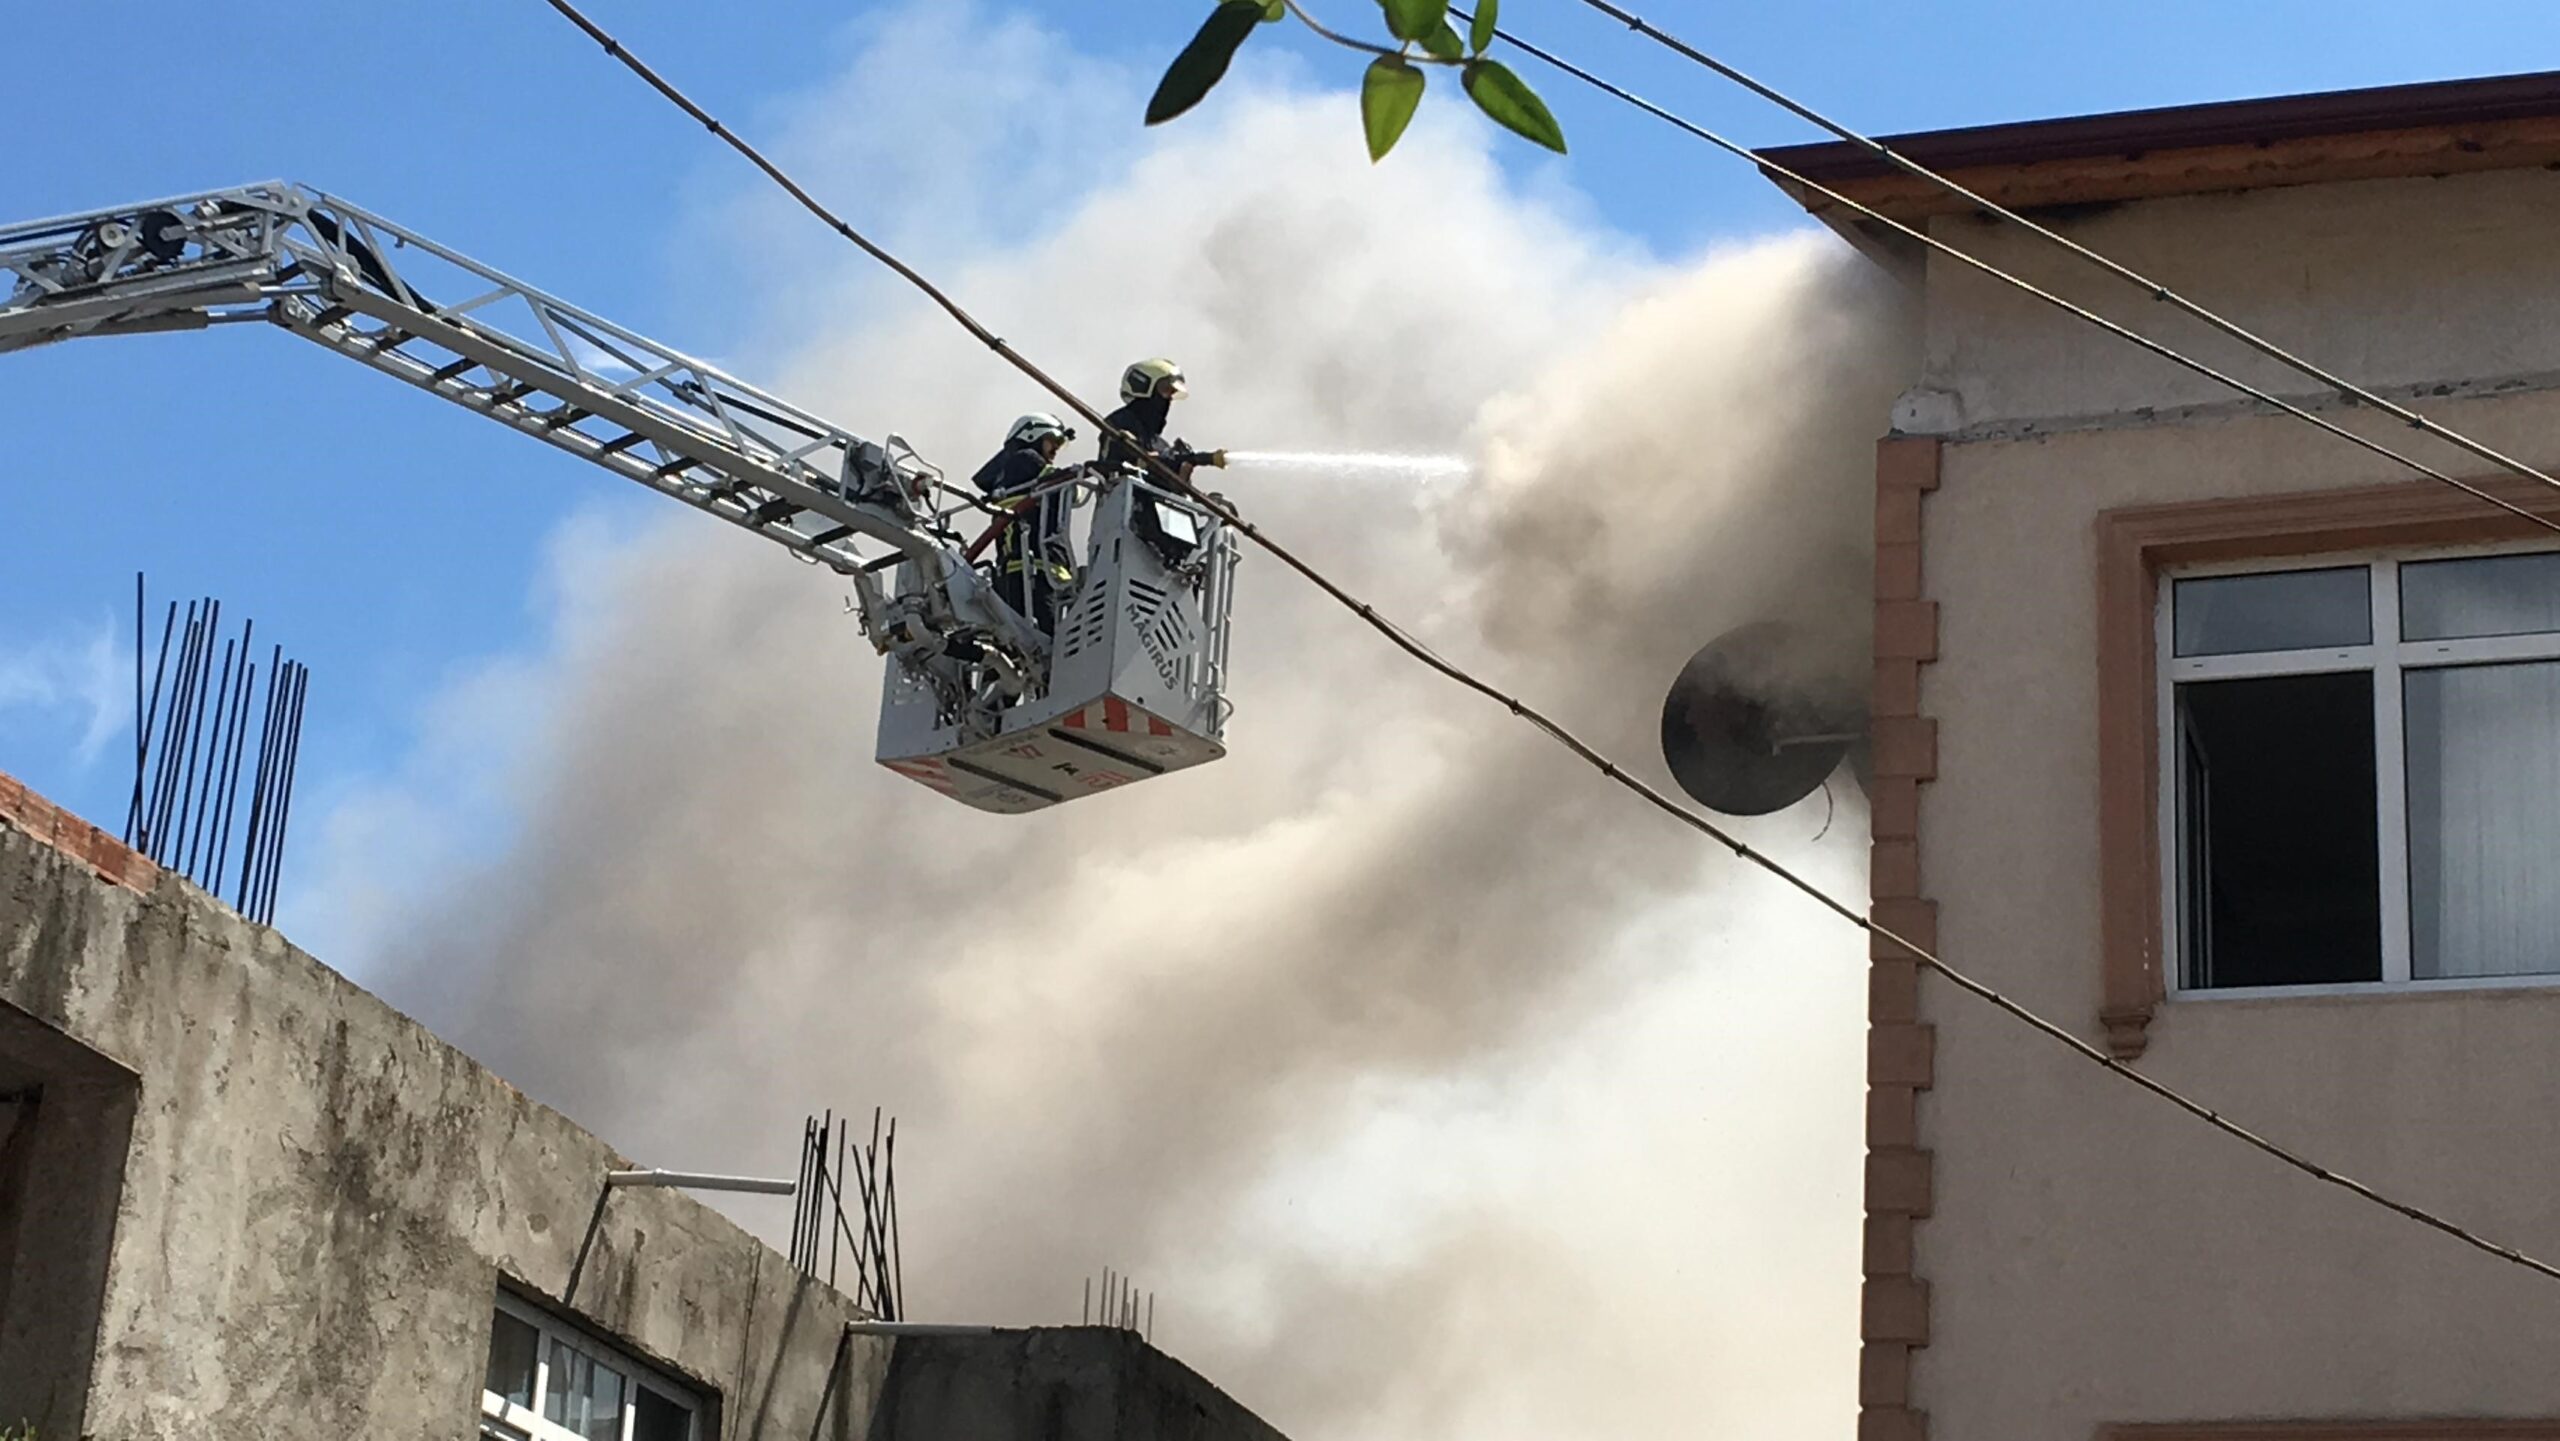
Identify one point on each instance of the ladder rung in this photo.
(831, 536)
(330, 316)
(449, 372)
(771, 511)
(389, 339)
(621, 443)
(677, 466)
(509, 393)
(565, 415)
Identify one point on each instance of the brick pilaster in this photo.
(1893, 1311)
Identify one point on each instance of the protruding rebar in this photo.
(192, 742)
(139, 825)
(200, 699)
(164, 777)
(835, 1234)
(897, 1267)
(141, 735)
(200, 797)
(284, 806)
(231, 763)
(261, 785)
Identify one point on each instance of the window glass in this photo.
(656, 1418)
(2281, 880)
(2286, 610)
(584, 1394)
(2484, 819)
(588, 1390)
(512, 1346)
(2479, 596)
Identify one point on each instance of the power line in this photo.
(1553, 729)
(2028, 287)
(2119, 270)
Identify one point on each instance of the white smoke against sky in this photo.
(83, 676)
(1439, 1090)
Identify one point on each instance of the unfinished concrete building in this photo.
(239, 1196)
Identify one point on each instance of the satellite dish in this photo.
(1758, 719)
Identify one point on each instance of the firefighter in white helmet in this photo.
(1148, 390)
(1032, 548)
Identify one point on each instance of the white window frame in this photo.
(2387, 658)
(528, 1421)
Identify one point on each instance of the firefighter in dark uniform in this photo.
(1148, 390)
(1032, 567)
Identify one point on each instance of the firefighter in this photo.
(1148, 390)
(1031, 550)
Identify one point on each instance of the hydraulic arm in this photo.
(1123, 682)
(385, 295)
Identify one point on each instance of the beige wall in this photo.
(2094, 1256)
(2389, 282)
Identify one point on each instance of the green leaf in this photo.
(1480, 33)
(1415, 19)
(1203, 62)
(1512, 104)
(1444, 42)
(1388, 96)
(1275, 10)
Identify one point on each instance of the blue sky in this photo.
(393, 543)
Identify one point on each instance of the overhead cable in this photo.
(1555, 731)
(2058, 302)
(2155, 289)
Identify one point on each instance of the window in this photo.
(2363, 784)
(549, 1382)
(66, 1121)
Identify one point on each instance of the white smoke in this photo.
(82, 674)
(1438, 1090)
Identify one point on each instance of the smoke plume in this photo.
(1438, 1090)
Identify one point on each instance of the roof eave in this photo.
(2508, 122)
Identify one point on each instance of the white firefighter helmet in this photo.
(1036, 427)
(1150, 378)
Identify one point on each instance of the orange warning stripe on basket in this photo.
(1118, 716)
(930, 772)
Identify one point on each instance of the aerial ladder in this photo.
(979, 703)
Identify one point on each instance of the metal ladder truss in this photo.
(380, 293)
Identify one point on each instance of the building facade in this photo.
(2234, 748)
(239, 1196)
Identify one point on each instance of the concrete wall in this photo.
(63, 1136)
(2091, 1255)
(1074, 1382)
(318, 1200)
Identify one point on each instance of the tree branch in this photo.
(1422, 57)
